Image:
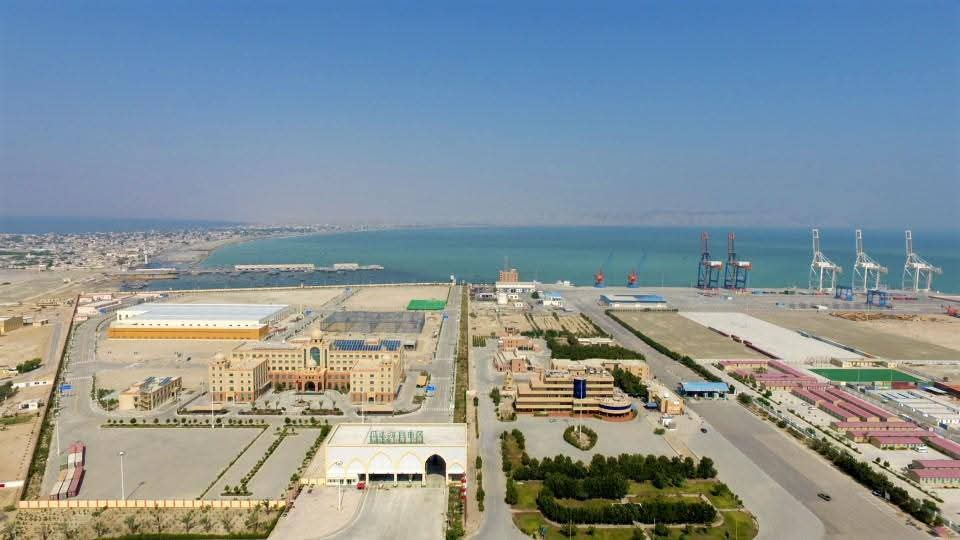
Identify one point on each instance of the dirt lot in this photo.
(136, 359)
(487, 320)
(572, 322)
(938, 330)
(308, 298)
(393, 298)
(900, 340)
(24, 344)
(30, 284)
(80, 523)
(686, 337)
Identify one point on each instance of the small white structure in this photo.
(552, 299)
(516, 286)
(390, 453)
(29, 405)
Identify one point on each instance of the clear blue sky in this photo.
(777, 113)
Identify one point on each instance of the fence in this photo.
(43, 504)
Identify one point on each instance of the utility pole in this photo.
(123, 490)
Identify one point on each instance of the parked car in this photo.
(824, 496)
(703, 430)
(361, 485)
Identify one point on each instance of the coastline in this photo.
(194, 255)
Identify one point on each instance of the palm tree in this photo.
(188, 520)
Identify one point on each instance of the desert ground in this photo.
(686, 337)
(23, 285)
(308, 298)
(898, 340)
(24, 344)
(394, 298)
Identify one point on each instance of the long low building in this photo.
(390, 453)
(633, 301)
(196, 321)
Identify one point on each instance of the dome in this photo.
(219, 356)
(316, 333)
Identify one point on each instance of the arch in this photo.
(435, 464)
(456, 468)
(356, 468)
(371, 399)
(310, 386)
(380, 464)
(409, 464)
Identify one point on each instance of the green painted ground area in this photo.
(426, 305)
(864, 375)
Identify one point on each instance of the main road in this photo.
(777, 478)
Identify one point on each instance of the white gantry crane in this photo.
(917, 273)
(866, 271)
(822, 269)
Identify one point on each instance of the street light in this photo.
(339, 463)
(123, 490)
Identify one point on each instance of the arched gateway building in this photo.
(392, 453)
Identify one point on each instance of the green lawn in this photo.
(426, 305)
(18, 419)
(527, 494)
(645, 490)
(864, 375)
(738, 524)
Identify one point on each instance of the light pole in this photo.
(123, 490)
(339, 463)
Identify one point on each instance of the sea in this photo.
(662, 256)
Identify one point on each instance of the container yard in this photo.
(71, 473)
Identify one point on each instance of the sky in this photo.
(765, 113)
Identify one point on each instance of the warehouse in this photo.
(197, 321)
(703, 389)
(421, 453)
(633, 301)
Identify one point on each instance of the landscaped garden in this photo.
(624, 497)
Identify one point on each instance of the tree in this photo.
(205, 523)
(100, 528)
(512, 495)
(705, 468)
(188, 520)
(661, 530)
(227, 522)
(252, 522)
(157, 516)
(132, 525)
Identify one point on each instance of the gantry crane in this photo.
(735, 273)
(708, 271)
(822, 268)
(917, 273)
(865, 267)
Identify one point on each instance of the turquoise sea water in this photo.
(666, 256)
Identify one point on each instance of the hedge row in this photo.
(685, 360)
(657, 510)
(636, 467)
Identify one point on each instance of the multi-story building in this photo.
(509, 275)
(371, 370)
(557, 391)
(636, 367)
(240, 380)
(149, 393)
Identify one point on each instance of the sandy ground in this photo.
(136, 359)
(308, 298)
(937, 329)
(25, 285)
(15, 441)
(394, 298)
(23, 344)
(900, 340)
(488, 320)
(686, 337)
(559, 321)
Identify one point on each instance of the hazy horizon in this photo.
(799, 115)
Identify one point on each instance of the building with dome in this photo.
(368, 370)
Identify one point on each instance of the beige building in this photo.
(636, 367)
(552, 392)
(237, 380)
(370, 369)
(509, 276)
(512, 361)
(10, 323)
(667, 401)
(149, 393)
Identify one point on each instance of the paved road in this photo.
(399, 513)
(743, 446)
